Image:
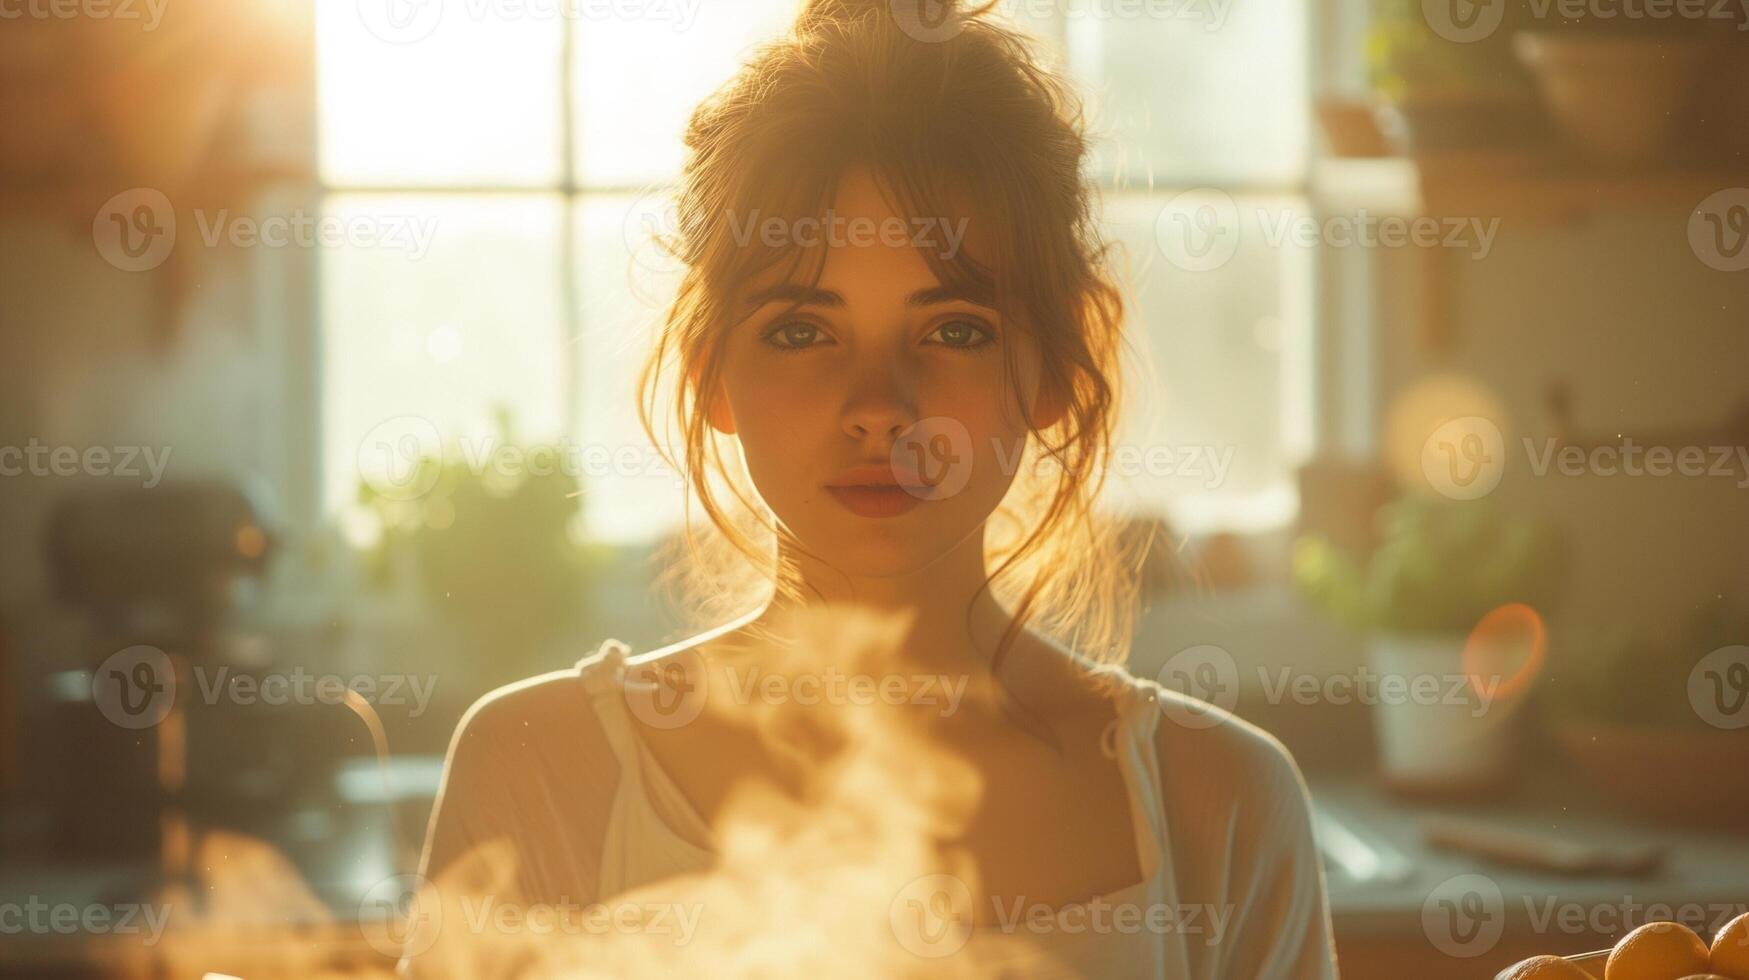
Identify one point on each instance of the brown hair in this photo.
(957, 106)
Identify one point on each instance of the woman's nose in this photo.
(881, 403)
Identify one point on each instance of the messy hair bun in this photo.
(942, 103)
(915, 17)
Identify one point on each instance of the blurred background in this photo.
(318, 339)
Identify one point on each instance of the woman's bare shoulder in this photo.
(731, 635)
(557, 708)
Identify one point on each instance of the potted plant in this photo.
(1621, 90)
(1438, 94)
(494, 549)
(1429, 599)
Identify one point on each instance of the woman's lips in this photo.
(875, 501)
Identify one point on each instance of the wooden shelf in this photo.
(1509, 186)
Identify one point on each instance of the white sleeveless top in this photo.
(1272, 922)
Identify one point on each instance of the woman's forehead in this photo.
(865, 240)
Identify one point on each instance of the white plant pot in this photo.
(1436, 732)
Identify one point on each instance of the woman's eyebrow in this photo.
(794, 294)
(948, 294)
(800, 295)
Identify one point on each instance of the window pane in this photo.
(1215, 427)
(638, 79)
(457, 92)
(623, 286)
(427, 345)
(1197, 92)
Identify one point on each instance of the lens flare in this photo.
(1504, 653)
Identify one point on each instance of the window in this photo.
(494, 159)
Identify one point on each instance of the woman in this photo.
(892, 364)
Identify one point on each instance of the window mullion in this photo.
(570, 299)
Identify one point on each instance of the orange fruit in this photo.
(1657, 951)
(1730, 955)
(1543, 968)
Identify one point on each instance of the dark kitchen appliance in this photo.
(156, 573)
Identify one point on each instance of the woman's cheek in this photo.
(770, 396)
(992, 440)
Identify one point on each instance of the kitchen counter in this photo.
(1407, 902)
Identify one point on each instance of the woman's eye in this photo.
(960, 333)
(793, 336)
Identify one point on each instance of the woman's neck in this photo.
(945, 618)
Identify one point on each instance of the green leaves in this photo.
(1441, 566)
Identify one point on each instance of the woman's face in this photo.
(877, 417)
